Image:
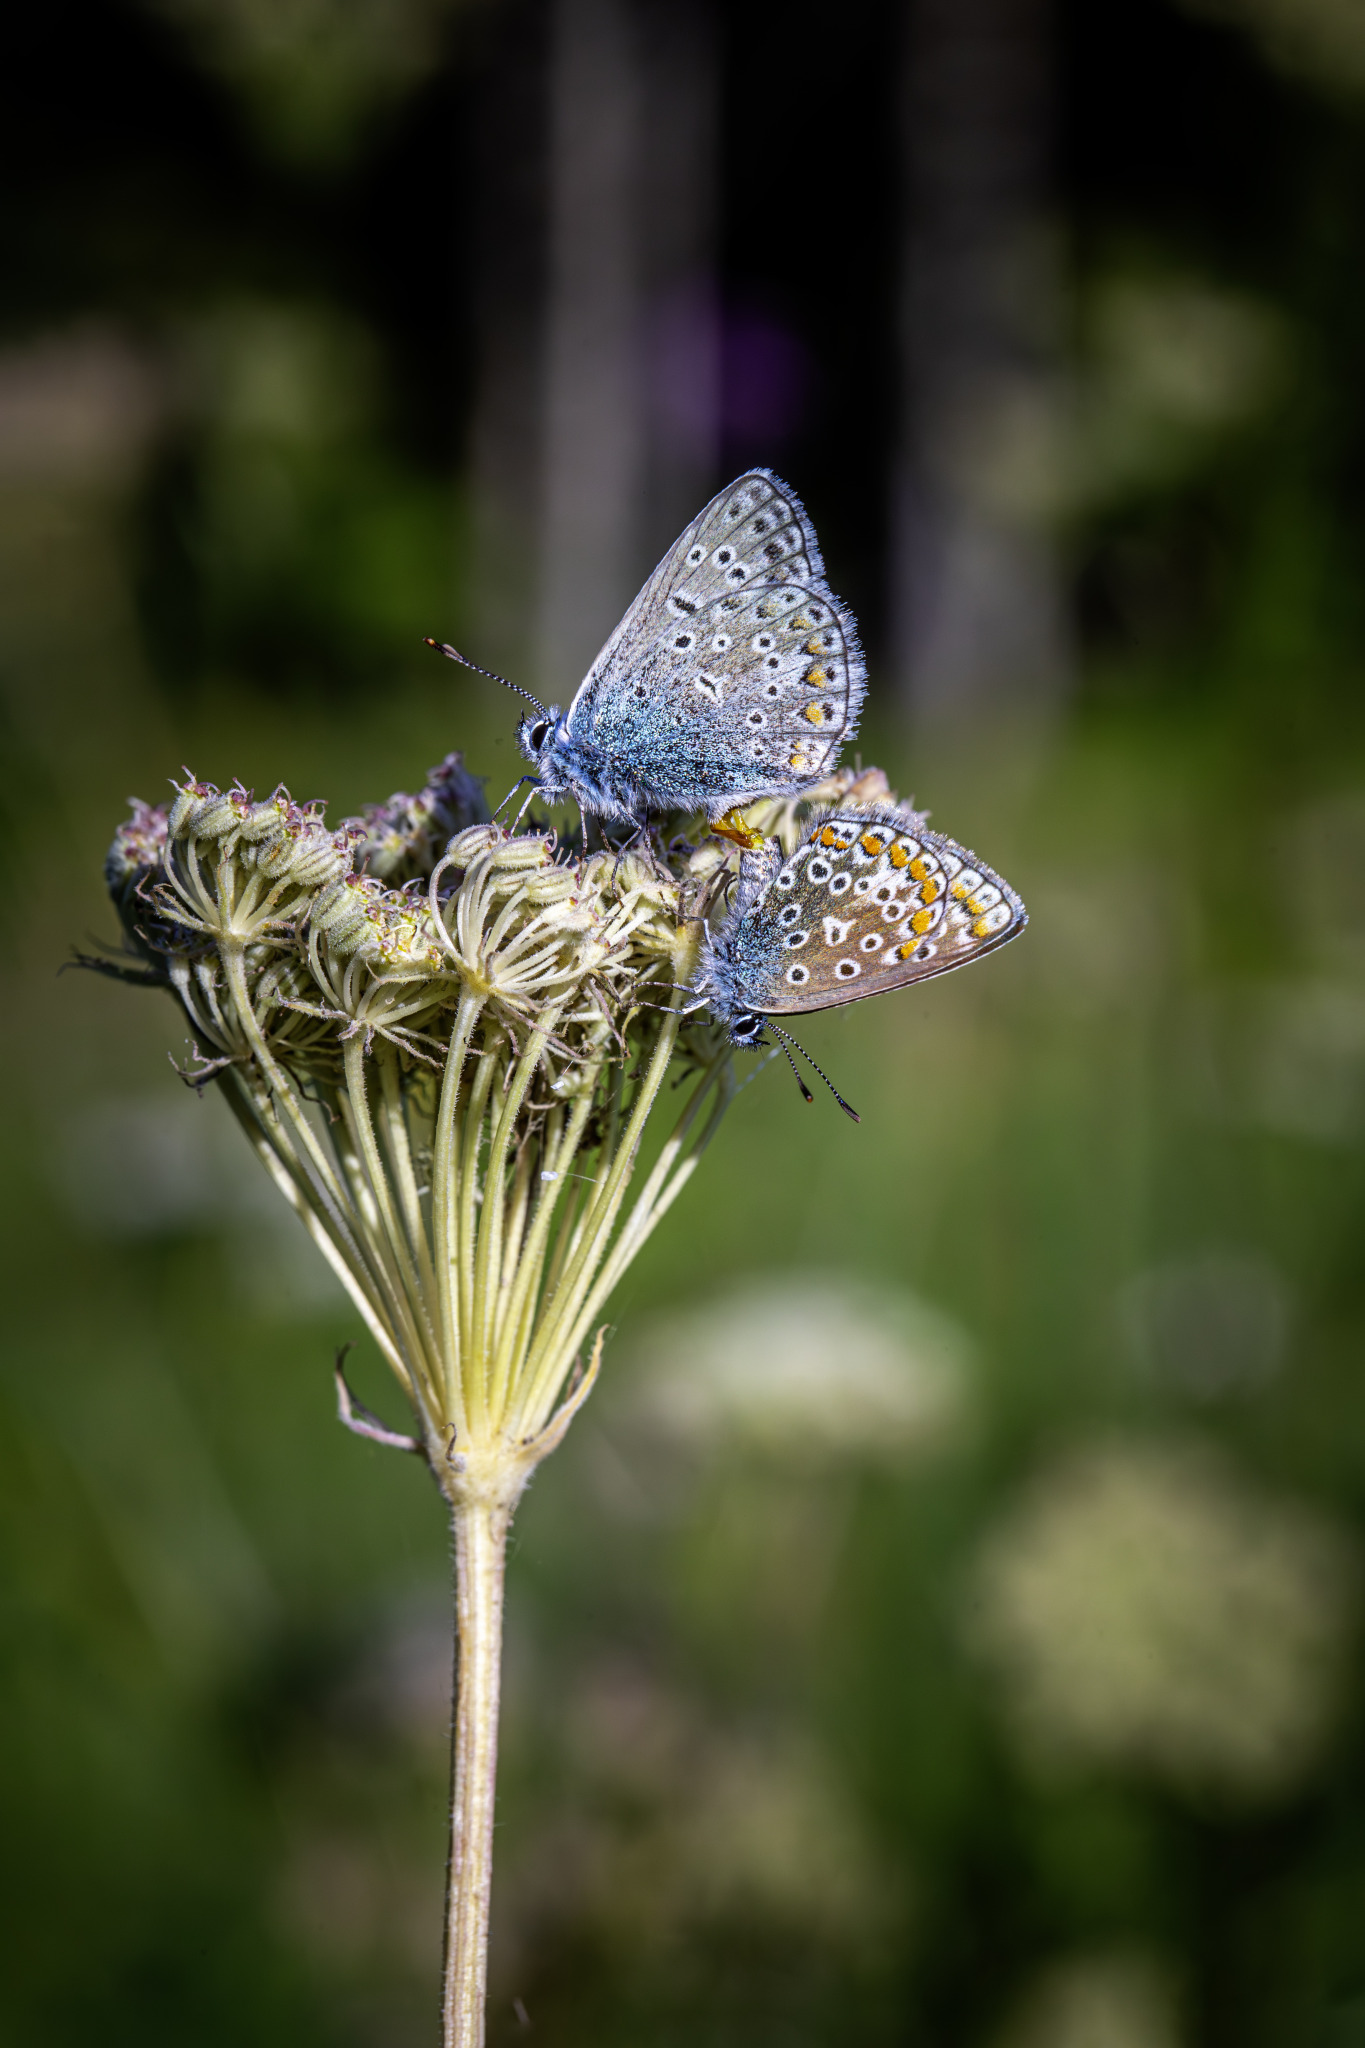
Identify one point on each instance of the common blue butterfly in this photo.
(871, 900)
(736, 674)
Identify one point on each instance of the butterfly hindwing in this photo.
(736, 665)
(871, 900)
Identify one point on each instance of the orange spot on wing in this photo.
(899, 856)
(814, 714)
(816, 677)
(931, 891)
(813, 644)
(919, 869)
(870, 843)
(904, 952)
(922, 921)
(829, 837)
(959, 890)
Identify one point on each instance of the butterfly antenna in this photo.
(799, 1082)
(454, 654)
(846, 1107)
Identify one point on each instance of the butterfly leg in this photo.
(520, 783)
(627, 845)
(530, 799)
(733, 827)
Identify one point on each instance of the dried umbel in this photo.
(444, 1041)
(449, 1080)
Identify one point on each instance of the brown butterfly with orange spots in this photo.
(871, 900)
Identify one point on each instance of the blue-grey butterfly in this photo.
(871, 900)
(736, 674)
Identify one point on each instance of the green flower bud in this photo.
(264, 821)
(191, 797)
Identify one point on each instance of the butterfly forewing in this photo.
(869, 902)
(736, 640)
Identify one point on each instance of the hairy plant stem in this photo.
(480, 1540)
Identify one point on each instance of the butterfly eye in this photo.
(538, 734)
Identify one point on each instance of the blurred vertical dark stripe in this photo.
(592, 463)
(977, 605)
(629, 343)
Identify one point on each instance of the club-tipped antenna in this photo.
(846, 1107)
(453, 654)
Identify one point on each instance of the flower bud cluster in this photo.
(282, 841)
(403, 838)
(284, 938)
(443, 1039)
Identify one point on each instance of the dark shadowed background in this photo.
(943, 1627)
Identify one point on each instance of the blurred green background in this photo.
(943, 1626)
